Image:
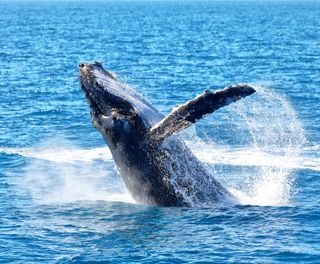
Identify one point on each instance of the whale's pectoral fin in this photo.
(185, 115)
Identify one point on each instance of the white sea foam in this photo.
(217, 154)
(60, 172)
(63, 153)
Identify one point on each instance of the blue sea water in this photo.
(61, 198)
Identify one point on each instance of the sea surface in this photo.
(61, 200)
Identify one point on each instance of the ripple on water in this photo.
(61, 200)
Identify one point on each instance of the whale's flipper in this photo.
(185, 115)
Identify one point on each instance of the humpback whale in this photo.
(151, 157)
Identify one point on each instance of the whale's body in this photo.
(156, 166)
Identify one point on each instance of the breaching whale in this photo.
(155, 164)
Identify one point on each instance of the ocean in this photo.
(61, 198)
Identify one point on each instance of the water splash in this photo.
(272, 139)
(60, 172)
(258, 171)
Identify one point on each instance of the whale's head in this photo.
(102, 90)
(116, 109)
